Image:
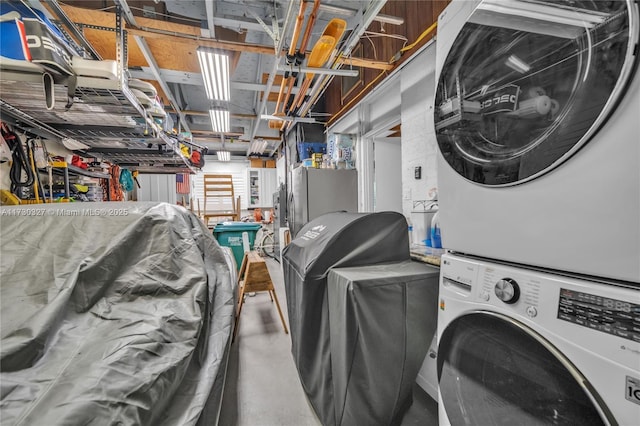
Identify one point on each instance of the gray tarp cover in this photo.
(112, 314)
(382, 319)
(333, 240)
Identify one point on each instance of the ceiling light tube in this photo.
(258, 146)
(224, 156)
(215, 74)
(219, 120)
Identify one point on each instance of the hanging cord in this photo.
(38, 188)
(19, 164)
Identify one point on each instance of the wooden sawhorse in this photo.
(254, 276)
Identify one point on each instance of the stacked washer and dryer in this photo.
(537, 118)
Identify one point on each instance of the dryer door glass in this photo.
(494, 371)
(527, 83)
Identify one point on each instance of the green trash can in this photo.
(229, 234)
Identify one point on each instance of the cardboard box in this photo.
(270, 164)
(257, 163)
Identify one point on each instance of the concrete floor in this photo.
(262, 386)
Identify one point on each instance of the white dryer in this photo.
(522, 347)
(537, 119)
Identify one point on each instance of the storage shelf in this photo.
(65, 169)
(77, 171)
(103, 114)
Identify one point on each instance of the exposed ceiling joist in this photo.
(365, 63)
(165, 88)
(237, 25)
(210, 8)
(197, 40)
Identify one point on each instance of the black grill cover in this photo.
(382, 319)
(333, 240)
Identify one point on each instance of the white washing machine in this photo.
(522, 347)
(537, 119)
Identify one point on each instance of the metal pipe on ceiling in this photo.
(285, 28)
(369, 16)
(325, 71)
(303, 47)
(272, 75)
(292, 50)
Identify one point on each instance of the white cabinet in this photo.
(261, 184)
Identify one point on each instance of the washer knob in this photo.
(507, 290)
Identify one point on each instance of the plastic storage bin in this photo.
(229, 234)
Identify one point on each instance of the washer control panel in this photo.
(618, 317)
(505, 287)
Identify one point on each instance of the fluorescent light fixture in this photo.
(215, 73)
(388, 19)
(219, 120)
(258, 146)
(224, 156)
(517, 64)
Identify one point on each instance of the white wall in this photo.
(406, 97)
(157, 188)
(419, 146)
(387, 175)
(236, 168)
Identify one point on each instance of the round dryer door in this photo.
(527, 83)
(495, 371)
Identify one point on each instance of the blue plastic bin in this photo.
(229, 234)
(305, 149)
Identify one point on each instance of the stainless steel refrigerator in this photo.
(315, 192)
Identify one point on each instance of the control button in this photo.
(532, 311)
(484, 296)
(507, 290)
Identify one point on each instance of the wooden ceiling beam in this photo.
(173, 45)
(365, 63)
(196, 41)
